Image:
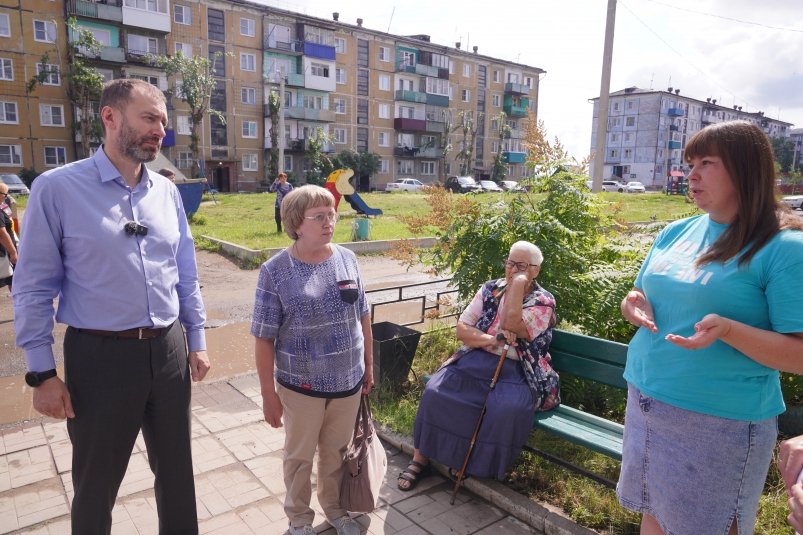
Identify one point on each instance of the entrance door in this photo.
(221, 179)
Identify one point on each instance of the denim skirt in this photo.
(695, 473)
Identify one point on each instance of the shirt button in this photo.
(150, 283)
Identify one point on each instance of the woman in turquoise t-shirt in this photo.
(719, 303)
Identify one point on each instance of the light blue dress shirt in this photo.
(74, 247)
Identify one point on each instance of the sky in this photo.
(740, 52)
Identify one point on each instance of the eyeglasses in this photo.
(519, 266)
(323, 218)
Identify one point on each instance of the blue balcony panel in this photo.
(315, 50)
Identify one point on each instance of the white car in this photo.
(612, 185)
(793, 201)
(508, 185)
(405, 184)
(490, 186)
(635, 187)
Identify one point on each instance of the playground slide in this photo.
(359, 205)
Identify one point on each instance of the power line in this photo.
(731, 19)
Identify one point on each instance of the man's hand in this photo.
(12, 257)
(272, 409)
(199, 365)
(52, 398)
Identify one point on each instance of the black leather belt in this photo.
(135, 334)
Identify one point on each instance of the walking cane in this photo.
(461, 474)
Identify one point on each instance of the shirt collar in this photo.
(109, 172)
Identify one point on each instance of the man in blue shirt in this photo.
(110, 239)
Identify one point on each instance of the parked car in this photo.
(15, 184)
(635, 187)
(508, 185)
(793, 201)
(612, 185)
(490, 186)
(405, 184)
(462, 184)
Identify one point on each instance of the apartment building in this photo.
(647, 132)
(367, 90)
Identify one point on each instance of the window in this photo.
(613, 153)
(404, 167)
(10, 155)
(614, 138)
(494, 125)
(185, 49)
(5, 26)
(631, 104)
(250, 162)
(494, 147)
(8, 113)
(630, 121)
(407, 58)
(615, 106)
(628, 153)
(319, 69)
(248, 95)
(183, 125)
(50, 115)
(6, 69)
(49, 74)
(628, 137)
(384, 111)
(44, 31)
(451, 66)
(497, 77)
(340, 45)
(248, 62)
(465, 95)
(216, 24)
(184, 160)
(182, 14)
(436, 86)
(528, 81)
(250, 129)
(513, 77)
(384, 53)
(340, 76)
(157, 6)
(384, 82)
(466, 70)
(153, 80)
(141, 45)
(384, 139)
(217, 54)
(288, 163)
(312, 102)
(340, 106)
(55, 156)
(384, 167)
(340, 136)
(427, 168)
(496, 100)
(248, 26)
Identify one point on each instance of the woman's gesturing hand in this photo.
(706, 331)
(638, 311)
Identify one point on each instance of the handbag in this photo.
(5, 266)
(366, 465)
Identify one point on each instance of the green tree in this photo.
(499, 170)
(362, 163)
(320, 165)
(445, 142)
(193, 83)
(467, 125)
(784, 149)
(274, 108)
(84, 84)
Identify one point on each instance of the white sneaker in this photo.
(346, 526)
(303, 530)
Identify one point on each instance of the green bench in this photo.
(598, 360)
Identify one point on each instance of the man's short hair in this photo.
(117, 93)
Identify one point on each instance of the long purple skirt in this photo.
(451, 405)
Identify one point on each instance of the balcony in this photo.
(513, 110)
(674, 128)
(516, 89)
(316, 50)
(675, 112)
(411, 96)
(438, 100)
(673, 145)
(419, 68)
(295, 79)
(112, 54)
(409, 124)
(292, 47)
(436, 127)
(108, 10)
(509, 156)
(309, 114)
(417, 152)
(513, 133)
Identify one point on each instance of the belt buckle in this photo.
(139, 333)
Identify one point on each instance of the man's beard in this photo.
(129, 144)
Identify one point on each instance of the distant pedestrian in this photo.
(282, 187)
(110, 239)
(168, 173)
(8, 242)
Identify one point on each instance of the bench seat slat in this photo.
(584, 429)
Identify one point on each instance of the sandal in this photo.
(414, 472)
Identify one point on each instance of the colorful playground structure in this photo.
(338, 184)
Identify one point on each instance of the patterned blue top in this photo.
(318, 335)
(281, 189)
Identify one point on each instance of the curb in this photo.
(358, 247)
(544, 517)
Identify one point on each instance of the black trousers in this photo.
(119, 386)
(278, 216)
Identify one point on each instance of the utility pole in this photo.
(604, 90)
(281, 122)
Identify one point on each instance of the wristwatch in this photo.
(35, 379)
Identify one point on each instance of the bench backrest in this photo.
(592, 358)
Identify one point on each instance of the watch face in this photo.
(32, 378)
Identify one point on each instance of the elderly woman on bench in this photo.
(524, 313)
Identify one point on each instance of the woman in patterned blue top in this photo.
(313, 336)
(719, 306)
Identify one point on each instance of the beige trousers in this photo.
(310, 423)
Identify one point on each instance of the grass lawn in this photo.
(247, 219)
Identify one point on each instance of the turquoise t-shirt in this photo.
(767, 293)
